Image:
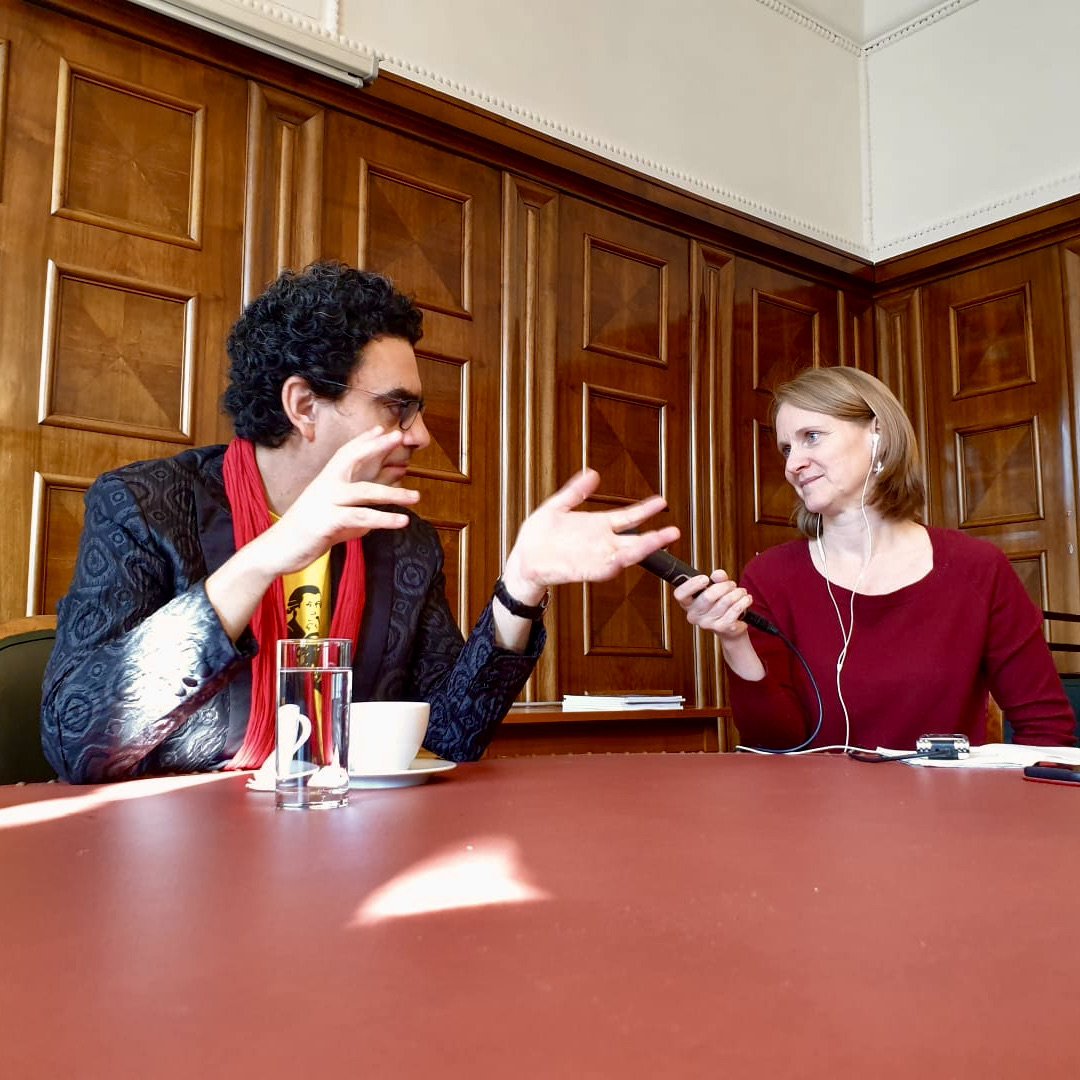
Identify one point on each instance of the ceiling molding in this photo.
(808, 22)
(795, 14)
(920, 22)
(997, 210)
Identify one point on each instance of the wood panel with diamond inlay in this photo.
(785, 339)
(127, 157)
(420, 233)
(625, 441)
(626, 297)
(1000, 478)
(993, 347)
(117, 357)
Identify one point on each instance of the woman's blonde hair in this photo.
(846, 393)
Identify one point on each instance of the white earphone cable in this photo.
(846, 632)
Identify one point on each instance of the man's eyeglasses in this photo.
(406, 409)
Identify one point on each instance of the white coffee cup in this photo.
(384, 736)
(293, 730)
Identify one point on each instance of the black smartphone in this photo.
(1052, 772)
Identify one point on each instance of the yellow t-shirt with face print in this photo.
(307, 615)
(307, 599)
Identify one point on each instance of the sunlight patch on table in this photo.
(53, 809)
(480, 873)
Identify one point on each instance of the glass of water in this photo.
(311, 755)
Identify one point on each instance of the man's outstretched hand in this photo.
(558, 543)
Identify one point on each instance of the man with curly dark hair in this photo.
(164, 656)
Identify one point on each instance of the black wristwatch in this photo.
(516, 607)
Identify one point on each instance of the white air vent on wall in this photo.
(260, 29)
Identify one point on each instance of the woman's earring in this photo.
(879, 467)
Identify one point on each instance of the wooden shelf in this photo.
(553, 714)
(546, 729)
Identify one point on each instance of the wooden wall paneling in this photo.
(855, 318)
(284, 190)
(121, 272)
(117, 355)
(528, 393)
(426, 113)
(431, 221)
(712, 437)
(1000, 419)
(1070, 264)
(898, 334)
(625, 399)
(783, 324)
(55, 524)
(3, 108)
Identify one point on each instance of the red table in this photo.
(593, 916)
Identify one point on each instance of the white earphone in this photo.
(875, 440)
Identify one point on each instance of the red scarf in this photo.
(251, 516)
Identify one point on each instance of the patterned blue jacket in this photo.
(143, 680)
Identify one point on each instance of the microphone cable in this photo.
(767, 627)
(674, 571)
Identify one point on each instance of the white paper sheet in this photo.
(995, 756)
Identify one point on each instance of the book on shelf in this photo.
(619, 702)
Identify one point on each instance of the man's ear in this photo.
(299, 402)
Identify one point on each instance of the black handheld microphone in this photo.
(664, 565)
(674, 571)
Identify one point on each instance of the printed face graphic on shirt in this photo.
(304, 608)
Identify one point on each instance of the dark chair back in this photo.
(1056, 640)
(1070, 676)
(25, 647)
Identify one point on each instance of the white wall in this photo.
(727, 98)
(973, 119)
(957, 118)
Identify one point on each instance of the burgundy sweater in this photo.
(921, 659)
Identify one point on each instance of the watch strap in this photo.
(516, 607)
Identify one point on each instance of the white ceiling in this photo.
(864, 20)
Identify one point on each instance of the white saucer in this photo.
(420, 771)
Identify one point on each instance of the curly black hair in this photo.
(313, 323)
